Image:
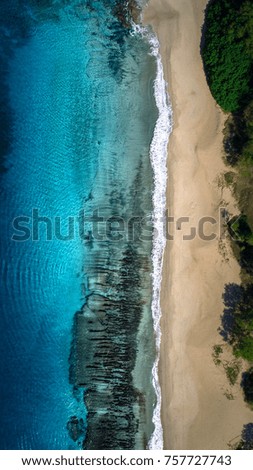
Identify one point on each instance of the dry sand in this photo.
(196, 414)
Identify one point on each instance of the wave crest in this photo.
(158, 157)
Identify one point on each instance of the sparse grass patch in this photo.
(217, 351)
(229, 395)
(229, 178)
(232, 371)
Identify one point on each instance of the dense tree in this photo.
(228, 52)
(237, 321)
(247, 385)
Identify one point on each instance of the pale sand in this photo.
(195, 412)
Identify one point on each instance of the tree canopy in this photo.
(228, 52)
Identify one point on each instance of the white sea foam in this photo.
(158, 156)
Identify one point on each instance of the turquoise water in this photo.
(78, 117)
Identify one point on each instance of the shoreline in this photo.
(158, 157)
(196, 413)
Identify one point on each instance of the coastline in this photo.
(196, 413)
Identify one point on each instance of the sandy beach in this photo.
(200, 409)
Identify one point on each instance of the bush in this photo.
(247, 385)
(244, 348)
(246, 442)
(237, 321)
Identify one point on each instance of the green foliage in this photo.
(227, 52)
(232, 372)
(247, 151)
(244, 348)
(242, 235)
(228, 60)
(243, 446)
(241, 230)
(246, 259)
(246, 441)
(240, 328)
(217, 351)
(229, 395)
(247, 385)
(229, 178)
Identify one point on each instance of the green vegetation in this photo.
(238, 323)
(238, 140)
(229, 178)
(245, 348)
(227, 51)
(232, 372)
(232, 369)
(243, 445)
(246, 440)
(247, 385)
(229, 395)
(217, 351)
(240, 230)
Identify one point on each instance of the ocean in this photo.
(85, 121)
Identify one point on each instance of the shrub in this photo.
(247, 385)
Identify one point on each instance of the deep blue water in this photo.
(77, 120)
